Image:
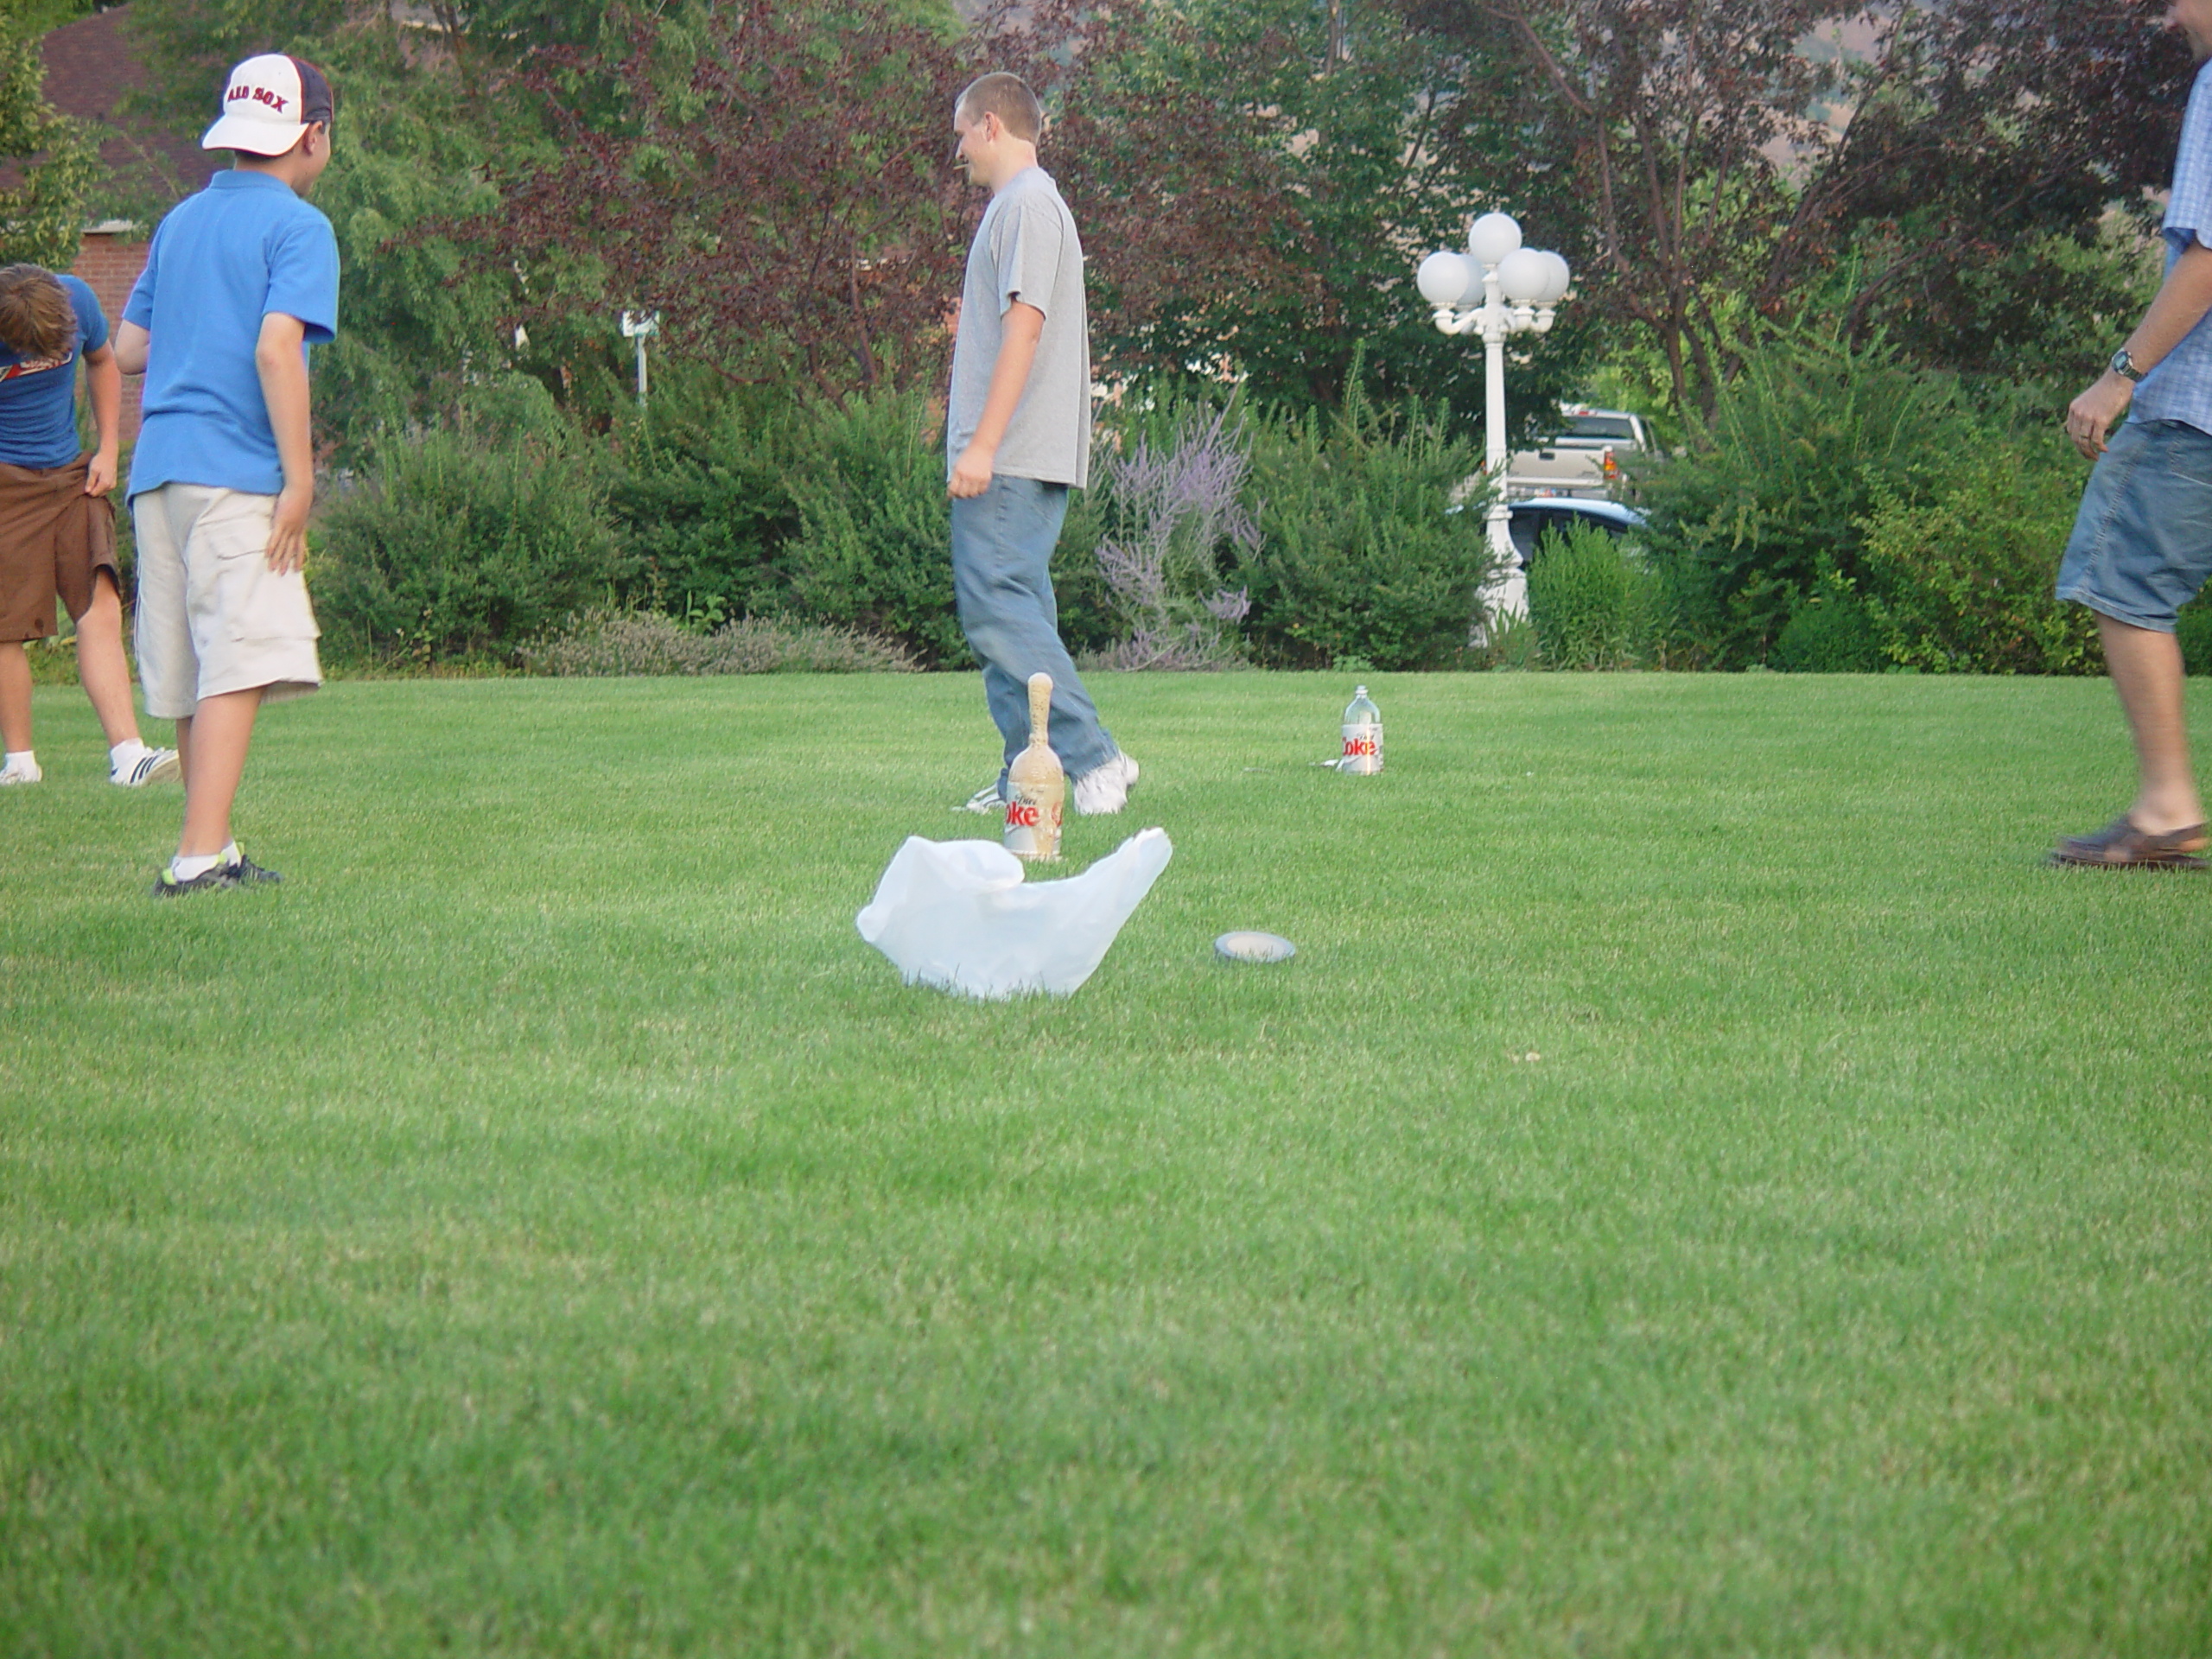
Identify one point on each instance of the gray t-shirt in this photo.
(1027, 249)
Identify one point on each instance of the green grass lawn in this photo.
(1701, 1188)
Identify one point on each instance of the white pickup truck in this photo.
(1584, 461)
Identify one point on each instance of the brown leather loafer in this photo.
(2121, 846)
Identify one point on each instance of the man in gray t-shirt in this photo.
(1018, 437)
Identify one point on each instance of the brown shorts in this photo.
(53, 538)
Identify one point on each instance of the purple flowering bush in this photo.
(1175, 523)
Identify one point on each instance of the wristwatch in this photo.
(2124, 366)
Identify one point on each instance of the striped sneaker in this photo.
(147, 767)
(984, 800)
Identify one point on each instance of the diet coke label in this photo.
(1033, 825)
(1362, 749)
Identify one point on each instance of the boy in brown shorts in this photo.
(57, 526)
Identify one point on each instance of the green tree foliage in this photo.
(1771, 493)
(419, 320)
(1962, 581)
(57, 161)
(188, 44)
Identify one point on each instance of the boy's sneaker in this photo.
(986, 799)
(246, 874)
(1105, 788)
(21, 771)
(206, 881)
(147, 767)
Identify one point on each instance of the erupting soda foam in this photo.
(1035, 785)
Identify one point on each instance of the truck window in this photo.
(1612, 428)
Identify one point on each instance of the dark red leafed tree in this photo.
(1164, 143)
(775, 180)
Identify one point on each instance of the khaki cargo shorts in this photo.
(212, 617)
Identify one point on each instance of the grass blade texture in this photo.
(1702, 1187)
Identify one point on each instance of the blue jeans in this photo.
(2142, 543)
(1002, 543)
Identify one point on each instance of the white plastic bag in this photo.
(956, 914)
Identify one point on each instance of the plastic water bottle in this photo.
(1362, 736)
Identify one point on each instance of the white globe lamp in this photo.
(1557, 278)
(1523, 276)
(1493, 236)
(1448, 279)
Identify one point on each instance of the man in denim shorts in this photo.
(2142, 544)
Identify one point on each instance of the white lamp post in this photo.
(640, 326)
(1495, 289)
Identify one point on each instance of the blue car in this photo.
(1532, 517)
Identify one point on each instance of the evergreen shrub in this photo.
(873, 549)
(1830, 633)
(464, 540)
(1773, 491)
(1360, 552)
(701, 494)
(2193, 628)
(1961, 581)
(1594, 602)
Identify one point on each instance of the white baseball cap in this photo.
(268, 102)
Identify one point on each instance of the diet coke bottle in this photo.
(1362, 736)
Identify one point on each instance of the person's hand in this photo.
(2095, 413)
(971, 473)
(288, 529)
(99, 473)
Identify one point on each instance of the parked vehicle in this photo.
(1583, 461)
(1533, 517)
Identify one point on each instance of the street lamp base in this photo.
(1509, 596)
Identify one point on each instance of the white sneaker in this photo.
(1105, 788)
(21, 771)
(151, 766)
(986, 799)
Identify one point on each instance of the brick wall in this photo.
(110, 265)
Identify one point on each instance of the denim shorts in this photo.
(2142, 543)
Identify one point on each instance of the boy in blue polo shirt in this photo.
(239, 281)
(57, 526)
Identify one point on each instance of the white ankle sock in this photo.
(230, 855)
(188, 867)
(28, 758)
(130, 749)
